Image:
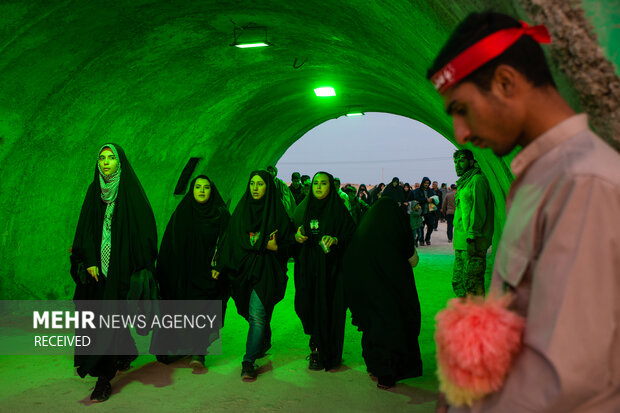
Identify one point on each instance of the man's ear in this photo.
(506, 81)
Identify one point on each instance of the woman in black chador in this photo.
(189, 243)
(116, 243)
(381, 293)
(324, 228)
(254, 253)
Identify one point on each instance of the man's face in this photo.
(425, 185)
(434, 185)
(462, 164)
(484, 118)
(296, 182)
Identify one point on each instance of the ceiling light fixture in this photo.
(250, 36)
(325, 91)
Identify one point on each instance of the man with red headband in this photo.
(554, 256)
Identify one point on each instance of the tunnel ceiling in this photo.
(161, 79)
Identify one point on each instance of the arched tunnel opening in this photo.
(165, 81)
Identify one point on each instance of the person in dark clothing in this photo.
(408, 197)
(437, 191)
(306, 184)
(362, 193)
(116, 243)
(381, 293)
(296, 188)
(364, 197)
(423, 195)
(448, 207)
(375, 193)
(324, 228)
(394, 191)
(253, 253)
(187, 248)
(355, 204)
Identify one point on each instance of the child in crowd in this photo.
(416, 221)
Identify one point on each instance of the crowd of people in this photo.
(355, 248)
(207, 253)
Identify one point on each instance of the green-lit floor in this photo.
(48, 383)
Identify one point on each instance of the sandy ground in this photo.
(48, 383)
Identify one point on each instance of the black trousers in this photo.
(450, 222)
(429, 223)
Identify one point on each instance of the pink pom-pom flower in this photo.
(477, 340)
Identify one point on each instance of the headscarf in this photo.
(329, 213)
(188, 245)
(259, 217)
(109, 183)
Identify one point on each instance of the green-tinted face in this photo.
(462, 164)
(320, 186)
(258, 187)
(202, 190)
(108, 162)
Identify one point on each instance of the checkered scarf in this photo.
(109, 191)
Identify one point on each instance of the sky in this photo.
(371, 149)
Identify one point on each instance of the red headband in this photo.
(486, 49)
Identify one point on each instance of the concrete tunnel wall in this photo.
(160, 79)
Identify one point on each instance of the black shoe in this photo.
(248, 370)
(197, 362)
(315, 362)
(102, 391)
(385, 382)
(428, 243)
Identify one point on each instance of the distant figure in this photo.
(394, 191)
(306, 184)
(375, 193)
(473, 225)
(284, 193)
(344, 197)
(381, 293)
(296, 188)
(362, 193)
(354, 203)
(447, 209)
(424, 196)
(439, 194)
(416, 222)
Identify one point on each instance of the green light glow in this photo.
(248, 45)
(354, 114)
(325, 91)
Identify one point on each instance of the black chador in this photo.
(188, 246)
(381, 293)
(319, 298)
(117, 234)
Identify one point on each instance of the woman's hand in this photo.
(215, 274)
(272, 245)
(94, 272)
(329, 240)
(300, 237)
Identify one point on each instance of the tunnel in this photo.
(164, 80)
